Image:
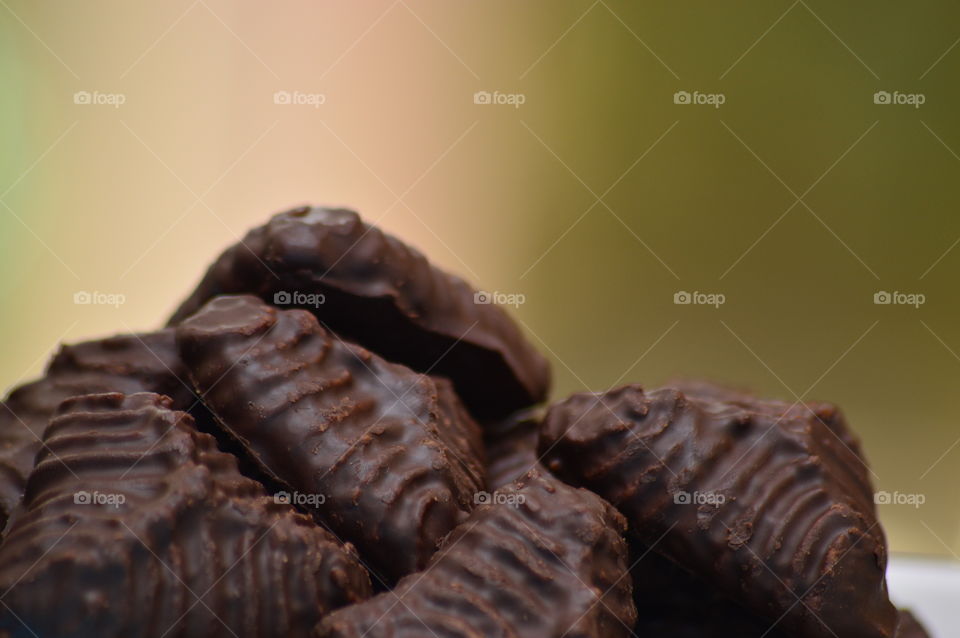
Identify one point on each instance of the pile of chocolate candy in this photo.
(333, 437)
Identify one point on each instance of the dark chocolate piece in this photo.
(672, 602)
(910, 627)
(512, 448)
(544, 560)
(133, 524)
(124, 363)
(384, 295)
(388, 455)
(761, 500)
(827, 413)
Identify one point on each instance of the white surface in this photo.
(931, 589)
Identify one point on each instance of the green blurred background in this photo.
(598, 199)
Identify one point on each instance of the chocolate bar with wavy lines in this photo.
(134, 524)
(385, 456)
(763, 500)
(375, 290)
(540, 560)
(123, 363)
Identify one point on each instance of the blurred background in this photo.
(730, 190)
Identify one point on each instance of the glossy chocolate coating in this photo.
(796, 520)
(512, 448)
(389, 450)
(124, 363)
(910, 627)
(386, 296)
(554, 565)
(134, 525)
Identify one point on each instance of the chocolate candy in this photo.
(910, 627)
(512, 448)
(762, 501)
(124, 363)
(133, 524)
(671, 602)
(377, 291)
(543, 560)
(385, 456)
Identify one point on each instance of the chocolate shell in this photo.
(761, 500)
(512, 448)
(375, 290)
(543, 560)
(910, 627)
(671, 602)
(383, 455)
(124, 363)
(133, 524)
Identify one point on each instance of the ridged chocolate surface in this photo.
(188, 527)
(551, 566)
(124, 363)
(391, 452)
(387, 297)
(796, 519)
(512, 448)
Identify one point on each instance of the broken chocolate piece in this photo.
(133, 524)
(383, 455)
(761, 500)
(375, 290)
(124, 363)
(544, 560)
